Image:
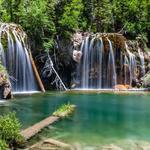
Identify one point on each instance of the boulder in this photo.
(77, 56)
(5, 85)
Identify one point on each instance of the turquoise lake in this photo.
(99, 119)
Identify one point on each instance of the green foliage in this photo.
(103, 15)
(10, 129)
(37, 19)
(3, 145)
(65, 110)
(43, 20)
(72, 15)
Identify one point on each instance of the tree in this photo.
(102, 15)
(71, 17)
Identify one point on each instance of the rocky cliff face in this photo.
(132, 61)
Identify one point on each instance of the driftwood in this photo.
(36, 73)
(50, 144)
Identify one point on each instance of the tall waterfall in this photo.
(132, 64)
(14, 56)
(107, 60)
(97, 68)
(111, 73)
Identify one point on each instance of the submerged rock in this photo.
(142, 145)
(111, 147)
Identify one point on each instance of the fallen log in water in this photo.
(33, 130)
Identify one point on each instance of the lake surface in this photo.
(99, 119)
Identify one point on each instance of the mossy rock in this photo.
(146, 80)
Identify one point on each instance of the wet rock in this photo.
(77, 56)
(146, 80)
(77, 40)
(142, 146)
(5, 86)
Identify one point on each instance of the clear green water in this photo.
(98, 119)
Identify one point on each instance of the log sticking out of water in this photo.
(36, 73)
(33, 130)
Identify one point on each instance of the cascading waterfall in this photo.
(97, 69)
(108, 61)
(126, 64)
(142, 61)
(111, 73)
(15, 57)
(132, 64)
(85, 66)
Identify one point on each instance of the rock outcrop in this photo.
(146, 80)
(5, 85)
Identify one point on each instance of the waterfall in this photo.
(107, 62)
(15, 57)
(94, 71)
(132, 64)
(100, 58)
(142, 61)
(126, 69)
(111, 69)
(85, 66)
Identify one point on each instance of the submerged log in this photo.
(56, 143)
(50, 144)
(36, 73)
